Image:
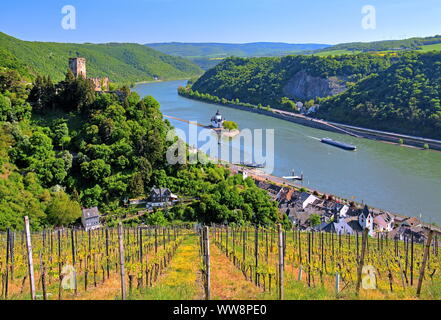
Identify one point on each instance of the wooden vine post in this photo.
(256, 251)
(361, 262)
(6, 277)
(411, 260)
(121, 261)
(206, 247)
(30, 260)
(72, 236)
(423, 265)
(281, 262)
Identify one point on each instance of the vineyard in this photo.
(187, 262)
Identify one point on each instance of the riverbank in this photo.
(359, 132)
(159, 81)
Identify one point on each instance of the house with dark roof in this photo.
(90, 218)
(354, 224)
(274, 190)
(366, 220)
(338, 226)
(419, 234)
(338, 208)
(160, 197)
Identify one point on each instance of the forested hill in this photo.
(121, 62)
(399, 93)
(267, 80)
(213, 50)
(63, 147)
(405, 44)
(404, 98)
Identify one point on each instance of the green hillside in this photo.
(121, 62)
(404, 98)
(262, 80)
(386, 45)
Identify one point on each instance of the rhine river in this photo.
(399, 179)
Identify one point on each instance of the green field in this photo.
(334, 53)
(431, 47)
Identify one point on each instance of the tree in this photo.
(96, 170)
(314, 220)
(230, 125)
(75, 94)
(5, 108)
(136, 185)
(157, 219)
(61, 133)
(42, 94)
(62, 211)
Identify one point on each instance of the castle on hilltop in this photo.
(78, 68)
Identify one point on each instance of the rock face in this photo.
(305, 86)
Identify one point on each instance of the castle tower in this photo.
(78, 67)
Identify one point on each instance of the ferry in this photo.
(339, 144)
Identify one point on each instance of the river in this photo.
(399, 179)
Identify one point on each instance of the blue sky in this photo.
(235, 21)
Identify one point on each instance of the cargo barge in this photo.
(339, 144)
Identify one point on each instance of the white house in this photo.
(217, 121)
(306, 199)
(90, 218)
(366, 220)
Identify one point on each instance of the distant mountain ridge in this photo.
(214, 49)
(384, 45)
(208, 54)
(121, 62)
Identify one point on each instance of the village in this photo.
(308, 211)
(315, 212)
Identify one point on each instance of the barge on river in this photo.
(339, 144)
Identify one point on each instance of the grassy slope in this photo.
(431, 47)
(120, 62)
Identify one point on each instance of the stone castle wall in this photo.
(78, 68)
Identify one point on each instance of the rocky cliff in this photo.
(304, 86)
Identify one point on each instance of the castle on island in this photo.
(218, 120)
(78, 68)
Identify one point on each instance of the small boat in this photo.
(294, 177)
(339, 144)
